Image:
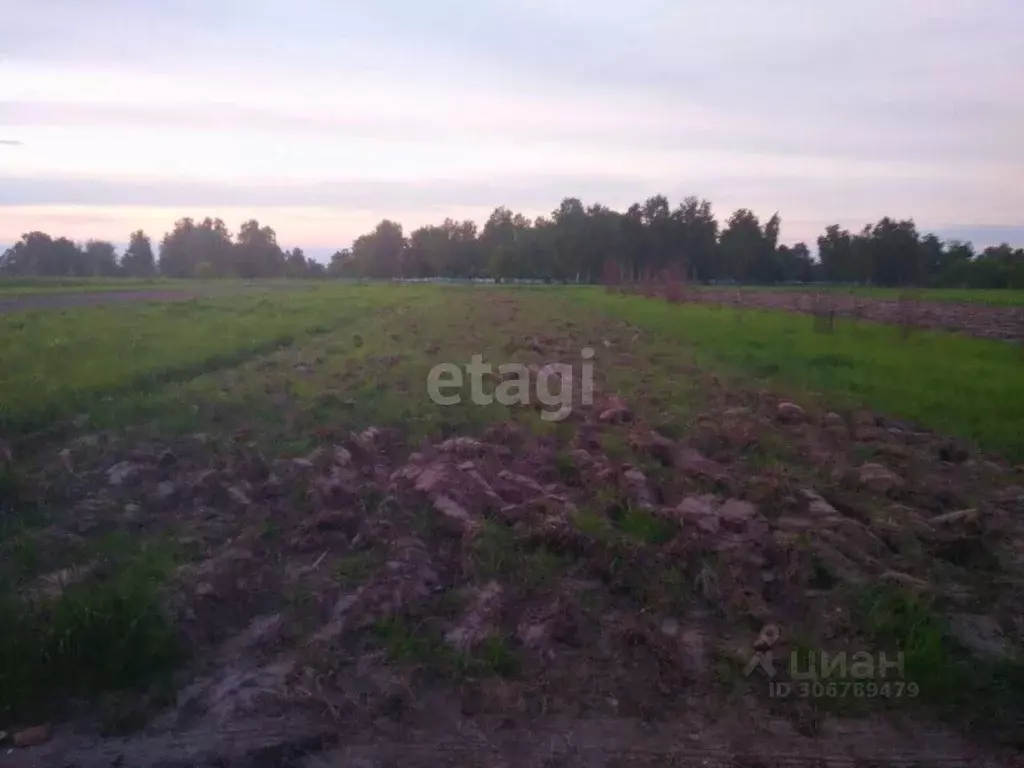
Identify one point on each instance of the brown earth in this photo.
(91, 299)
(101, 298)
(585, 598)
(972, 319)
(618, 665)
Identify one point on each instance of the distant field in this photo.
(966, 387)
(10, 287)
(58, 360)
(42, 285)
(35, 285)
(1001, 298)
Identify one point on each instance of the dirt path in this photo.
(567, 743)
(92, 299)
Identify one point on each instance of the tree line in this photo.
(202, 250)
(575, 243)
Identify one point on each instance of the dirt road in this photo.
(68, 300)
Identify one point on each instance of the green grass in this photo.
(497, 554)
(354, 569)
(956, 385)
(909, 624)
(408, 644)
(593, 524)
(643, 526)
(967, 688)
(59, 363)
(994, 297)
(228, 362)
(107, 634)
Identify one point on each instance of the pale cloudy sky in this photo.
(319, 117)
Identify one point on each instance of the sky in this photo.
(320, 117)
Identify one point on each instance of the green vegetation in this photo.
(909, 624)
(651, 240)
(593, 524)
(408, 644)
(354, 569)
(643, 526)
(58, 363)
(105, 634)
(291, 371)
(966, 687)
(956, 385)
(498, 554)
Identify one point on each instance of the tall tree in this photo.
(380, 253)
(835, 250)
(138, 260)
(568, 229)
(657, 219)
(341, 264)
(99, 259)
(295, 263)
(742, 245)
(191, 250)
(696, 238)
(32, 255)
(257, 253)
(894, 252)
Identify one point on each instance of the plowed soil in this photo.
(979, 320)
(501, 590)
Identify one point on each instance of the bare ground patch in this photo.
(991, 322)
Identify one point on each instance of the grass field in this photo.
(28, 286)
(263, 477)
(59, 362)
(960, 386)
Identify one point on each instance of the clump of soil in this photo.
(522, 599)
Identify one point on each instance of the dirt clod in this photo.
(789, 413)
(32, 737)
(877, 478)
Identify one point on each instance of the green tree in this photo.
(138, 260)
(742, 245)
(341, 264)
(380, 253)
(696, 239)
(893, 252)
(835, 250)
(188, 244)
(295, 264)
(34, 254)
(795, 264)
(256, 252)
(99, 259)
